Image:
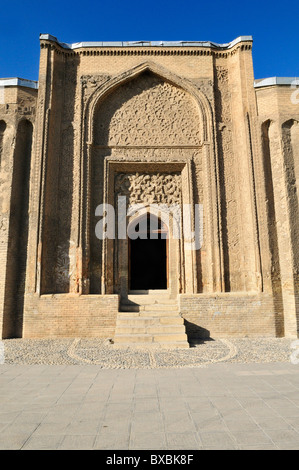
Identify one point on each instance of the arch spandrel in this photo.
(147, 111)
(193, 94)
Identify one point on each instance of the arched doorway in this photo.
(148, 253)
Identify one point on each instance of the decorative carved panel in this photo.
(65, 269)
(91, 82)
(227, 165)
(146, 188)
(2, 129)
(147, 111)
(205, 85)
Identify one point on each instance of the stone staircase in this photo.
(150, 320)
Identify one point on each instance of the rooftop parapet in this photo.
(15, 81)
(209, 44)
(272, 81)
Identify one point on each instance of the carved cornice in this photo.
(183, 48)
(145, 52)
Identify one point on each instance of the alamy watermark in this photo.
(2, 353)
(295, 354)
(179, 221)
(295, 94)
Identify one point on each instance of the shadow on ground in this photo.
(196, 334)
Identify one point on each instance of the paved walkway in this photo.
(220, 406)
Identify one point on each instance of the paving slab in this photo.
(224, 406)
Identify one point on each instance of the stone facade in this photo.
(174, 123)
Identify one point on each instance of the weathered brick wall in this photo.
(67, 315)
(278, 118)
(227, 314)
(17, 110)
(277, 100)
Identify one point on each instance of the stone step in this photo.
(151, 330)
(154, 346)
(149, 313)
(129, 308)
(148, 338)
(143, 338)
(160, 306)
(148, 300)
(165, 338)
(150, 321)
(168, 320)
(151, 292)
(123, 320)
(147, 307)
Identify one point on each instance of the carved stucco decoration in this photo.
(227, 164)
(3, 229)
(148, 111)
(65, 269)
(91, 82)
(146, 188)
(23, 107)
(223, 98)
(205, 85)
(174, 154)
(1, 144)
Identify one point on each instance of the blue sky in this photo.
(273, 25)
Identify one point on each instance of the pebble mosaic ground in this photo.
(102, 353)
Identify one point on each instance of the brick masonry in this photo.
(64, 315)
(180, 123)
(228, 314)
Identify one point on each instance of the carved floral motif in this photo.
(146, 188)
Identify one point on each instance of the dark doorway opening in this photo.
(148, 259)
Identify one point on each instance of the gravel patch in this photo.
(101, 352)
(262, 350)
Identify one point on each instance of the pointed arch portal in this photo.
(150, 124)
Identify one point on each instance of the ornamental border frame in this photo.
(209, 144)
